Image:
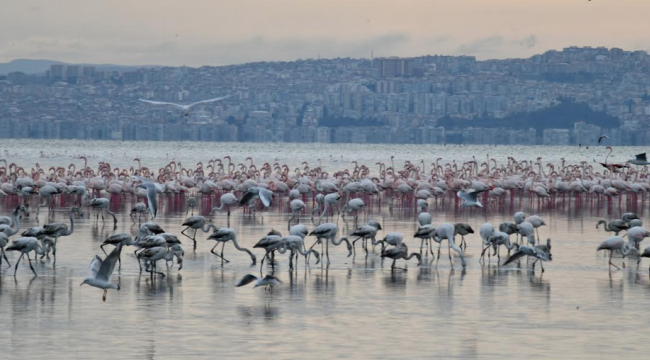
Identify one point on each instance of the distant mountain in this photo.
(40, 66)
(28, 66)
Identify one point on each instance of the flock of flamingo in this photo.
(342, 193)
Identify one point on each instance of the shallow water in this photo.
(354, 309)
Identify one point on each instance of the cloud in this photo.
(527, 42)
(481, 46)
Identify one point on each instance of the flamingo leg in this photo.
(18, 262)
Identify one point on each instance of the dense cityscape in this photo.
(428, 99)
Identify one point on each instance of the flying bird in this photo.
(151, 194)
(185, 108)
(640, 159)
(470, 198)
(602, 137)
(257, 192)
(102, 271)
(268, 281)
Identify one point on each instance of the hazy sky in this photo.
(216, 32)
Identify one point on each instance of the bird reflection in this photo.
(266, 311)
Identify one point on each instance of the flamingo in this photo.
(100, 204)
(400, 252)
(616, 243)
(615, 226)
(25, 245)
(227, 200)
(328, 232)
(57, 230)
(197, 223)
(224, 235)
(538, 252)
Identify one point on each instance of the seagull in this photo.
(268, 281)
(639, 159)
(102, 271)
(185, 108)
(602, 137)
(257, 192)
(470, 198)
(151, 194)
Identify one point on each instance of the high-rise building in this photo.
(394, 66)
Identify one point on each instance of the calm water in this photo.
(354, 309)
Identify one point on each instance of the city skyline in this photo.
(221, 33)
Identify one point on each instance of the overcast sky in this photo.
(217, 32)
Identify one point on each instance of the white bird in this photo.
(102, 271)
(330, 199)
(265, 195)
(355, 205)
(185, 107)
(268, 281)
(470, 199)
(639, 159)
(528, 230)
(424, 218)
(616, 243)
(296, 207)
(537, 222)
(448, 231)
(636, 235)
(151, 194)
(227, 200)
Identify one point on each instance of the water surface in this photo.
(353, 309)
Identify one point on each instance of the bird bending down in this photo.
(615, 226)
(400, 251)
(470, 199)
(269, 281)
(102, 271)
(539, 252)
(616, 243)
(328, 232)
(224, 235)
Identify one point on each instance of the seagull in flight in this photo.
(102, 271)
(470, 199)
(640, 159)
(268, 281)
(257, 192)
(602, 137)
(185, 108)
